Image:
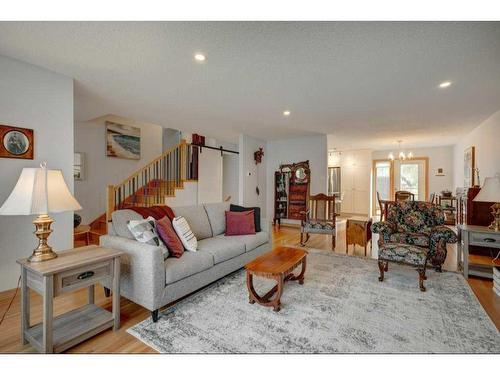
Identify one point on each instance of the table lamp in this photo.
(40, 191)
(490, 192)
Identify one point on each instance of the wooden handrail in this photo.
(169, 151)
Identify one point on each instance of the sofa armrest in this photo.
(384, 229)
(267, 226)
(443, 232)
(143, 270)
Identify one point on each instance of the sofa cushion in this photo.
(403, 253)
(239, 223)
(215, 213)
(188, 264)
(222, 248)
(251, 241)
(418, 239)
(256, 212)
(120, 219)
(197, 219)
(158, 212)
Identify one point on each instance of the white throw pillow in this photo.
(185, 233)
(144, 231)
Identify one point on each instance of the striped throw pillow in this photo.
(185, 233)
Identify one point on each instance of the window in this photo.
(382, 183)
(409, 178)
(408, 175)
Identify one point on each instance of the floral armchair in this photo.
(413, 233)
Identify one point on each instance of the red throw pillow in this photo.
(169, 237)
(238, 223)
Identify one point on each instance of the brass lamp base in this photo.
(495, 211)
(43, 252)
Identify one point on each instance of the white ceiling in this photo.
(366, 84)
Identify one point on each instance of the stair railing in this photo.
(151, 184)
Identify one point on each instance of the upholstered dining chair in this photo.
(403, 196)
(432, 198)
(319, 218)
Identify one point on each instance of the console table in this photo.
(72, 270)
(475, 235)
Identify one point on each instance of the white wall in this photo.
(252, 175)
(209, 176)
(187, 196)
(485, 138)
(230, 178)
(90, 138)
(295, 150)
(42, 100)
(439, 157)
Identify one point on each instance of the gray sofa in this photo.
(152, 282)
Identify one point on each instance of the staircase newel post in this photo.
(110, 202)
(183, 164)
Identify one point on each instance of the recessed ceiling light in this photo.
(286, 113)
(200, 57)
(445, 84)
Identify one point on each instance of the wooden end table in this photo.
(277, 264)
(358, 232)
(72, 270)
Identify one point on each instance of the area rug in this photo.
(341, 308)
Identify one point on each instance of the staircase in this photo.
(155, 182)
(149, 186)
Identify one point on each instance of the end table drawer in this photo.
(485, 239)
(81, 277)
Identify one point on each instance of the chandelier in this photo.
(401, 154)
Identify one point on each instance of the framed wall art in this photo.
(469, 166)
(79, 166)
(123, 141)
(16, 143)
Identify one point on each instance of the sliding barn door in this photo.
(210, 176)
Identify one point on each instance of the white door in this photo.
(410, 175)
(361, 195)
(210, 176)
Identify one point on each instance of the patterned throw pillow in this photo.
(185, 233)
(144, 231)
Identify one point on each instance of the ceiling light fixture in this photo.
(445, 84)
(286, 113)
(200, 57)
(401, 154)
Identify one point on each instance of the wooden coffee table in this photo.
(277, 264)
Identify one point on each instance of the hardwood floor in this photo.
(131, 314)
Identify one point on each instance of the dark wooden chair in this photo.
(404, 196)
(319, 218)
(432, 198)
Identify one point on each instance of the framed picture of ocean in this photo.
(123, 141)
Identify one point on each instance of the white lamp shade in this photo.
(490, 192)
(39, 191)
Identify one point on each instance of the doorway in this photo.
(390, 176)
(410, 175)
